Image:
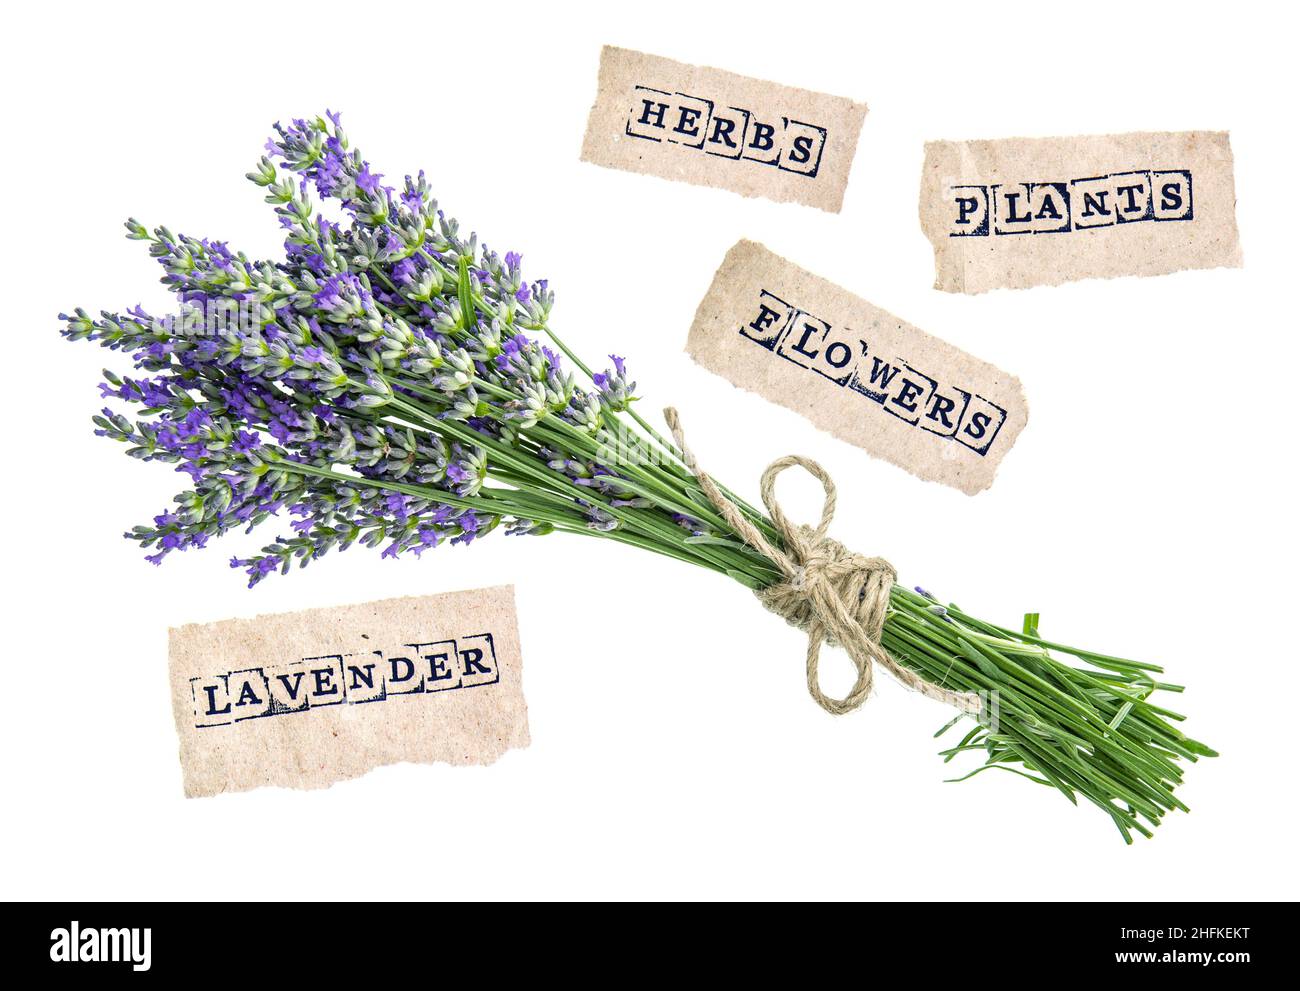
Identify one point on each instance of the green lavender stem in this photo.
(1086, 731)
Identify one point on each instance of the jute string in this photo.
(834, 595)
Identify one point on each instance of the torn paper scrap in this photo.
(304, 699)
(1021, 212)
(714, 128)
(855, 371)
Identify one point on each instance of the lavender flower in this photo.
(366, 387)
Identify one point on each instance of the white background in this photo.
(1144, 511)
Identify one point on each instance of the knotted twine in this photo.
(834, 595)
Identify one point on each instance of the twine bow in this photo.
(828, 591)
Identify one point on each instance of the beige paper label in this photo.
(715, 128)
(1023, 212)
(308, 698)
(856, 371)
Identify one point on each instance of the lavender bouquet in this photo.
(393, 383)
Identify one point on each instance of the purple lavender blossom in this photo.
(352, 366)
